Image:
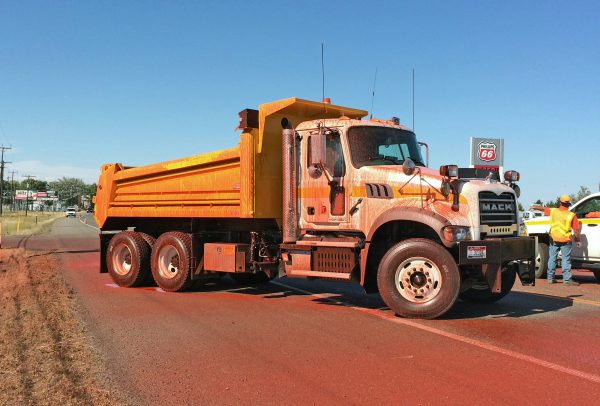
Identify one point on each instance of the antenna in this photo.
(373, 95)
(323, 69)
(413, 99)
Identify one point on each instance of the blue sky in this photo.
(83, 83)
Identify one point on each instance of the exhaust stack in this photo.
(290, 217)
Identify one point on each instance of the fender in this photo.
(414, 214)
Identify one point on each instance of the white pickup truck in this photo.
(587, 257)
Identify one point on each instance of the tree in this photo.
(539, 202)
(583, 192)
(553, 203)
(521, 207)
(69, 190)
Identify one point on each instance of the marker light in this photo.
(450, 171)
(511, 176)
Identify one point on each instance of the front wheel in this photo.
(481, 292)
(597, 275)
(418, 278)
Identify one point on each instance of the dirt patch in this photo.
(45, 357)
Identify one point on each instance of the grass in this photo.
(33, 223)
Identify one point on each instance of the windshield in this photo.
(370, 145)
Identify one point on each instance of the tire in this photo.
(481, 292)
(171, 261)
(597, 275)
(128, 259)
(430, 270)
(150, 242)
(541, 261)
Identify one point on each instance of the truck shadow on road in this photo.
(514, 305)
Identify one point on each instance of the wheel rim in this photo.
(538, 263)
(418, 280)
(168, 262)
(122, 259)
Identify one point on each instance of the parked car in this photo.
(71, 212)
(586, 257)
(90, 209)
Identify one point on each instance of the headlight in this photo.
(456, 233)
(450, 171)
(512, 176)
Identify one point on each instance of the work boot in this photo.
(571, 282)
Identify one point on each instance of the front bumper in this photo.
(497, 252)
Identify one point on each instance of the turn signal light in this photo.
(512, 176)
(450, 171)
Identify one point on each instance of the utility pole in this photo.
(27, 193)
(13, 191)
(2, 176)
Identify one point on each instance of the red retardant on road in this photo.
(225, 343)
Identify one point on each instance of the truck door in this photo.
(588, 213)
(323, 189)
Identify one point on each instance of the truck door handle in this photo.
(592, 225)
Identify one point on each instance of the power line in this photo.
(27, 192)
(3, 148)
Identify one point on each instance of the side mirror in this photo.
(317, 149)
(422, 144)
(408, 167)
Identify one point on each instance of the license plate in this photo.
(476, 252)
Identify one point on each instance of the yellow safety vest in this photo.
(560, 225)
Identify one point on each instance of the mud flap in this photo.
(493, 276)
(526, 272)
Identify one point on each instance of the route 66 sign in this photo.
(486, 151)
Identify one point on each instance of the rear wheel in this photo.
(541, 261)
(597, 275)
(481, 292)
(418, 278)
(171, 261)
(128, 259)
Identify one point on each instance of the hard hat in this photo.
(565, 199)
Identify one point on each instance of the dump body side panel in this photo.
(207, 185)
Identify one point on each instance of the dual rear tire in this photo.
(134, 259)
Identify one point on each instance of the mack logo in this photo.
(498, 207)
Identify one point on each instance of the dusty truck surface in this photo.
(313, 190)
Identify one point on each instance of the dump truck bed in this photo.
(241, 182)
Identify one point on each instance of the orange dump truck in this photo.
(313, 190)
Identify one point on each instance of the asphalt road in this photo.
(305, 342)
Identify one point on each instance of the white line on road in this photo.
(452, 336)
(86, 224)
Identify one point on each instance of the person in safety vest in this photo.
(564, 227)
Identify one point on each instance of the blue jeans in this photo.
(565, 249)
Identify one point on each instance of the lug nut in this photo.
(427, 286)
(429, 280)
(407, 280)
(426, 273)
(422, 291)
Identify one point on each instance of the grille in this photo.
(497, 210)
(379, 191)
